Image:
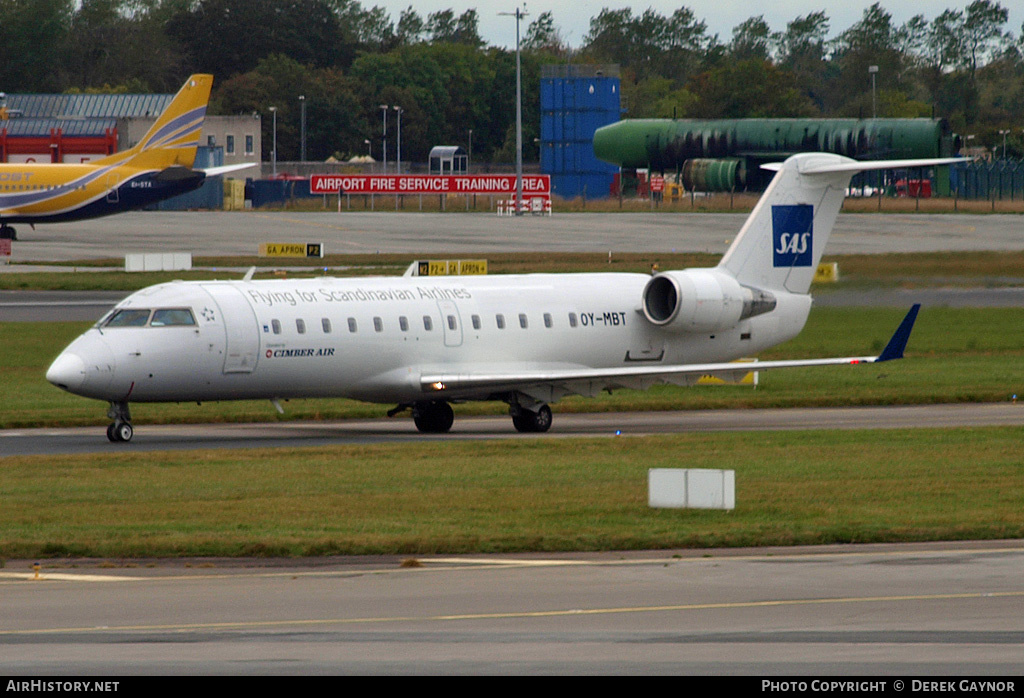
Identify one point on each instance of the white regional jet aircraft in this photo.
(423, 343)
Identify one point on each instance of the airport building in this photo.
(82, 127)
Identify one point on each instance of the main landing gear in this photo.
(437, 417)
(120, 430)
(7, 232)
(528, 420)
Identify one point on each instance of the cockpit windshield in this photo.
(137, 317)
(128, 318)
(167, 317)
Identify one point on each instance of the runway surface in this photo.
(894, 611)
(240, 233)
(166, 437)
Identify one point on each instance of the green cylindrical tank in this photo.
(665, 144)
(727, 174)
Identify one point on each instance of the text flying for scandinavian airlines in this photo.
(329, 295)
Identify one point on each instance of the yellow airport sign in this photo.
(291, 249)
(451, 267)
(732, 377)
(827, 272)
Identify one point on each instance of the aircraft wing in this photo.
(550, 384)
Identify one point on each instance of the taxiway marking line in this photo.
(182, 627)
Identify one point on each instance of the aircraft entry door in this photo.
(241, 330)
(113, 193)
(451, 322)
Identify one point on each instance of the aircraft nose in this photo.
(67, 372)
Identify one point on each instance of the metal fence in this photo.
(997, 180)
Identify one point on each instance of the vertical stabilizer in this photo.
(173, 139)
(782, 240)
(781, 243)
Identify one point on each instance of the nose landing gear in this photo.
(120, 431)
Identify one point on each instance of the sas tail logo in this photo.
(792, 235)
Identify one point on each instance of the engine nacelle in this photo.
(701, 300)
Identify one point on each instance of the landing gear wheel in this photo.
(7, 233)
(120, 430)
(527, 421)
(120, 433)
(433, 417)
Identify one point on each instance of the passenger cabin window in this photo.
(276, 326)
(476, 322)
(128, 318)
(428, 324)
(572, 319)
(300, 326)
(547, 320)
(352, 324)
(499, 319)
(403, 323)
(172, 317)
(326, 324)
(522, 321)
(378, 324)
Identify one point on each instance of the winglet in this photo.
(894, 349)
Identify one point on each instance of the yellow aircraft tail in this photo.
(173, 139)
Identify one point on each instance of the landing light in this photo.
(437, 385)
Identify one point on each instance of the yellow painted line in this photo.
(717, 559)
(63, 577)
(519, 614)
(452, 564)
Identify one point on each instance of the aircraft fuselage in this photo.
(58, 193)
(372, 339)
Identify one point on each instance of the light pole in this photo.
(273, 153)
(1003, 133)
(369, 148)
(398, 152)
(384, 148)
(469, 160)
(518, 14)
(873, 69)
(302, 105)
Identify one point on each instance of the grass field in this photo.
(793, 488)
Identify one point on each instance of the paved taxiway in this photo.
(240, 233)
(178, 437)
(901, 611)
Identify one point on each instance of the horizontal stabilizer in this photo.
(224, 169)
(815, 167)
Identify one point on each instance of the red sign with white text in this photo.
(533, 185)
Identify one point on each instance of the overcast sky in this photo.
(573, 17)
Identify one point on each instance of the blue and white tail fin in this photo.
(781, 243)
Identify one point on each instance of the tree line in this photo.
(347, 60)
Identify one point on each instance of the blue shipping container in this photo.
(573, 107)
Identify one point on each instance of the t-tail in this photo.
(173, 139)
(780, 245)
